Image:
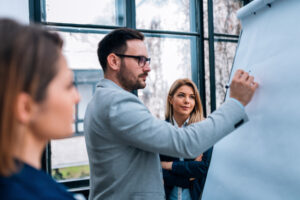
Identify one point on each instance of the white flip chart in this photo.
(261, 159)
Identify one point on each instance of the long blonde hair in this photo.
(197, 113)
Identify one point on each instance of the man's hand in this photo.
(242, 87)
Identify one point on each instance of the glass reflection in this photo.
(224, 55)
(104, 12)
(165, 15)
(225, 19)
(170, 60)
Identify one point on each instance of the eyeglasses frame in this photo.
(136, 57)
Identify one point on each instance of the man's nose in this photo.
(147, 68)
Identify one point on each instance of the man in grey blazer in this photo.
(123, 139)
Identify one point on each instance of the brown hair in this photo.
(28, 63)
(197, 113)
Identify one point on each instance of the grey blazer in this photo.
(123, 141)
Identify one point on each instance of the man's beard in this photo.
(127, 83)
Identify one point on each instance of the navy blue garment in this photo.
(31, 184)
(182, 171)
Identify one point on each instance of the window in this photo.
(185, 38)
(222, 33)
(171, 43)
(226, 29)
(104, 12)
(159, 15)
(69, 160)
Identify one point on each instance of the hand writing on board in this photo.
(242, 87)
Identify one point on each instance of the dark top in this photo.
(182, 171)
(31, 184)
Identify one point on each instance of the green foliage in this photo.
(71, 172)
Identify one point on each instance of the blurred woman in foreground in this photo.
(37, 101)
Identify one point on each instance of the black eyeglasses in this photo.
(142, 60)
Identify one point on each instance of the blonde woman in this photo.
(184, 178)
(37, 100)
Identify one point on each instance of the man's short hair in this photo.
(115, 42)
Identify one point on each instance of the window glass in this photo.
(165, 15)
(86, 92)
(224, 56)
(86, 82)
(207, 78)
(69, 158)
(104, 12)
(225, 18)
(170, 60)
(80, 49)
(205, 18)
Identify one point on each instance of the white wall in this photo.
(16, 9)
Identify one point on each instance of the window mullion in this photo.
(130, 14)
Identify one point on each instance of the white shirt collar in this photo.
(184, 124)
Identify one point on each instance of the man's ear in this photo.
(24, 108)
(113, 62)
